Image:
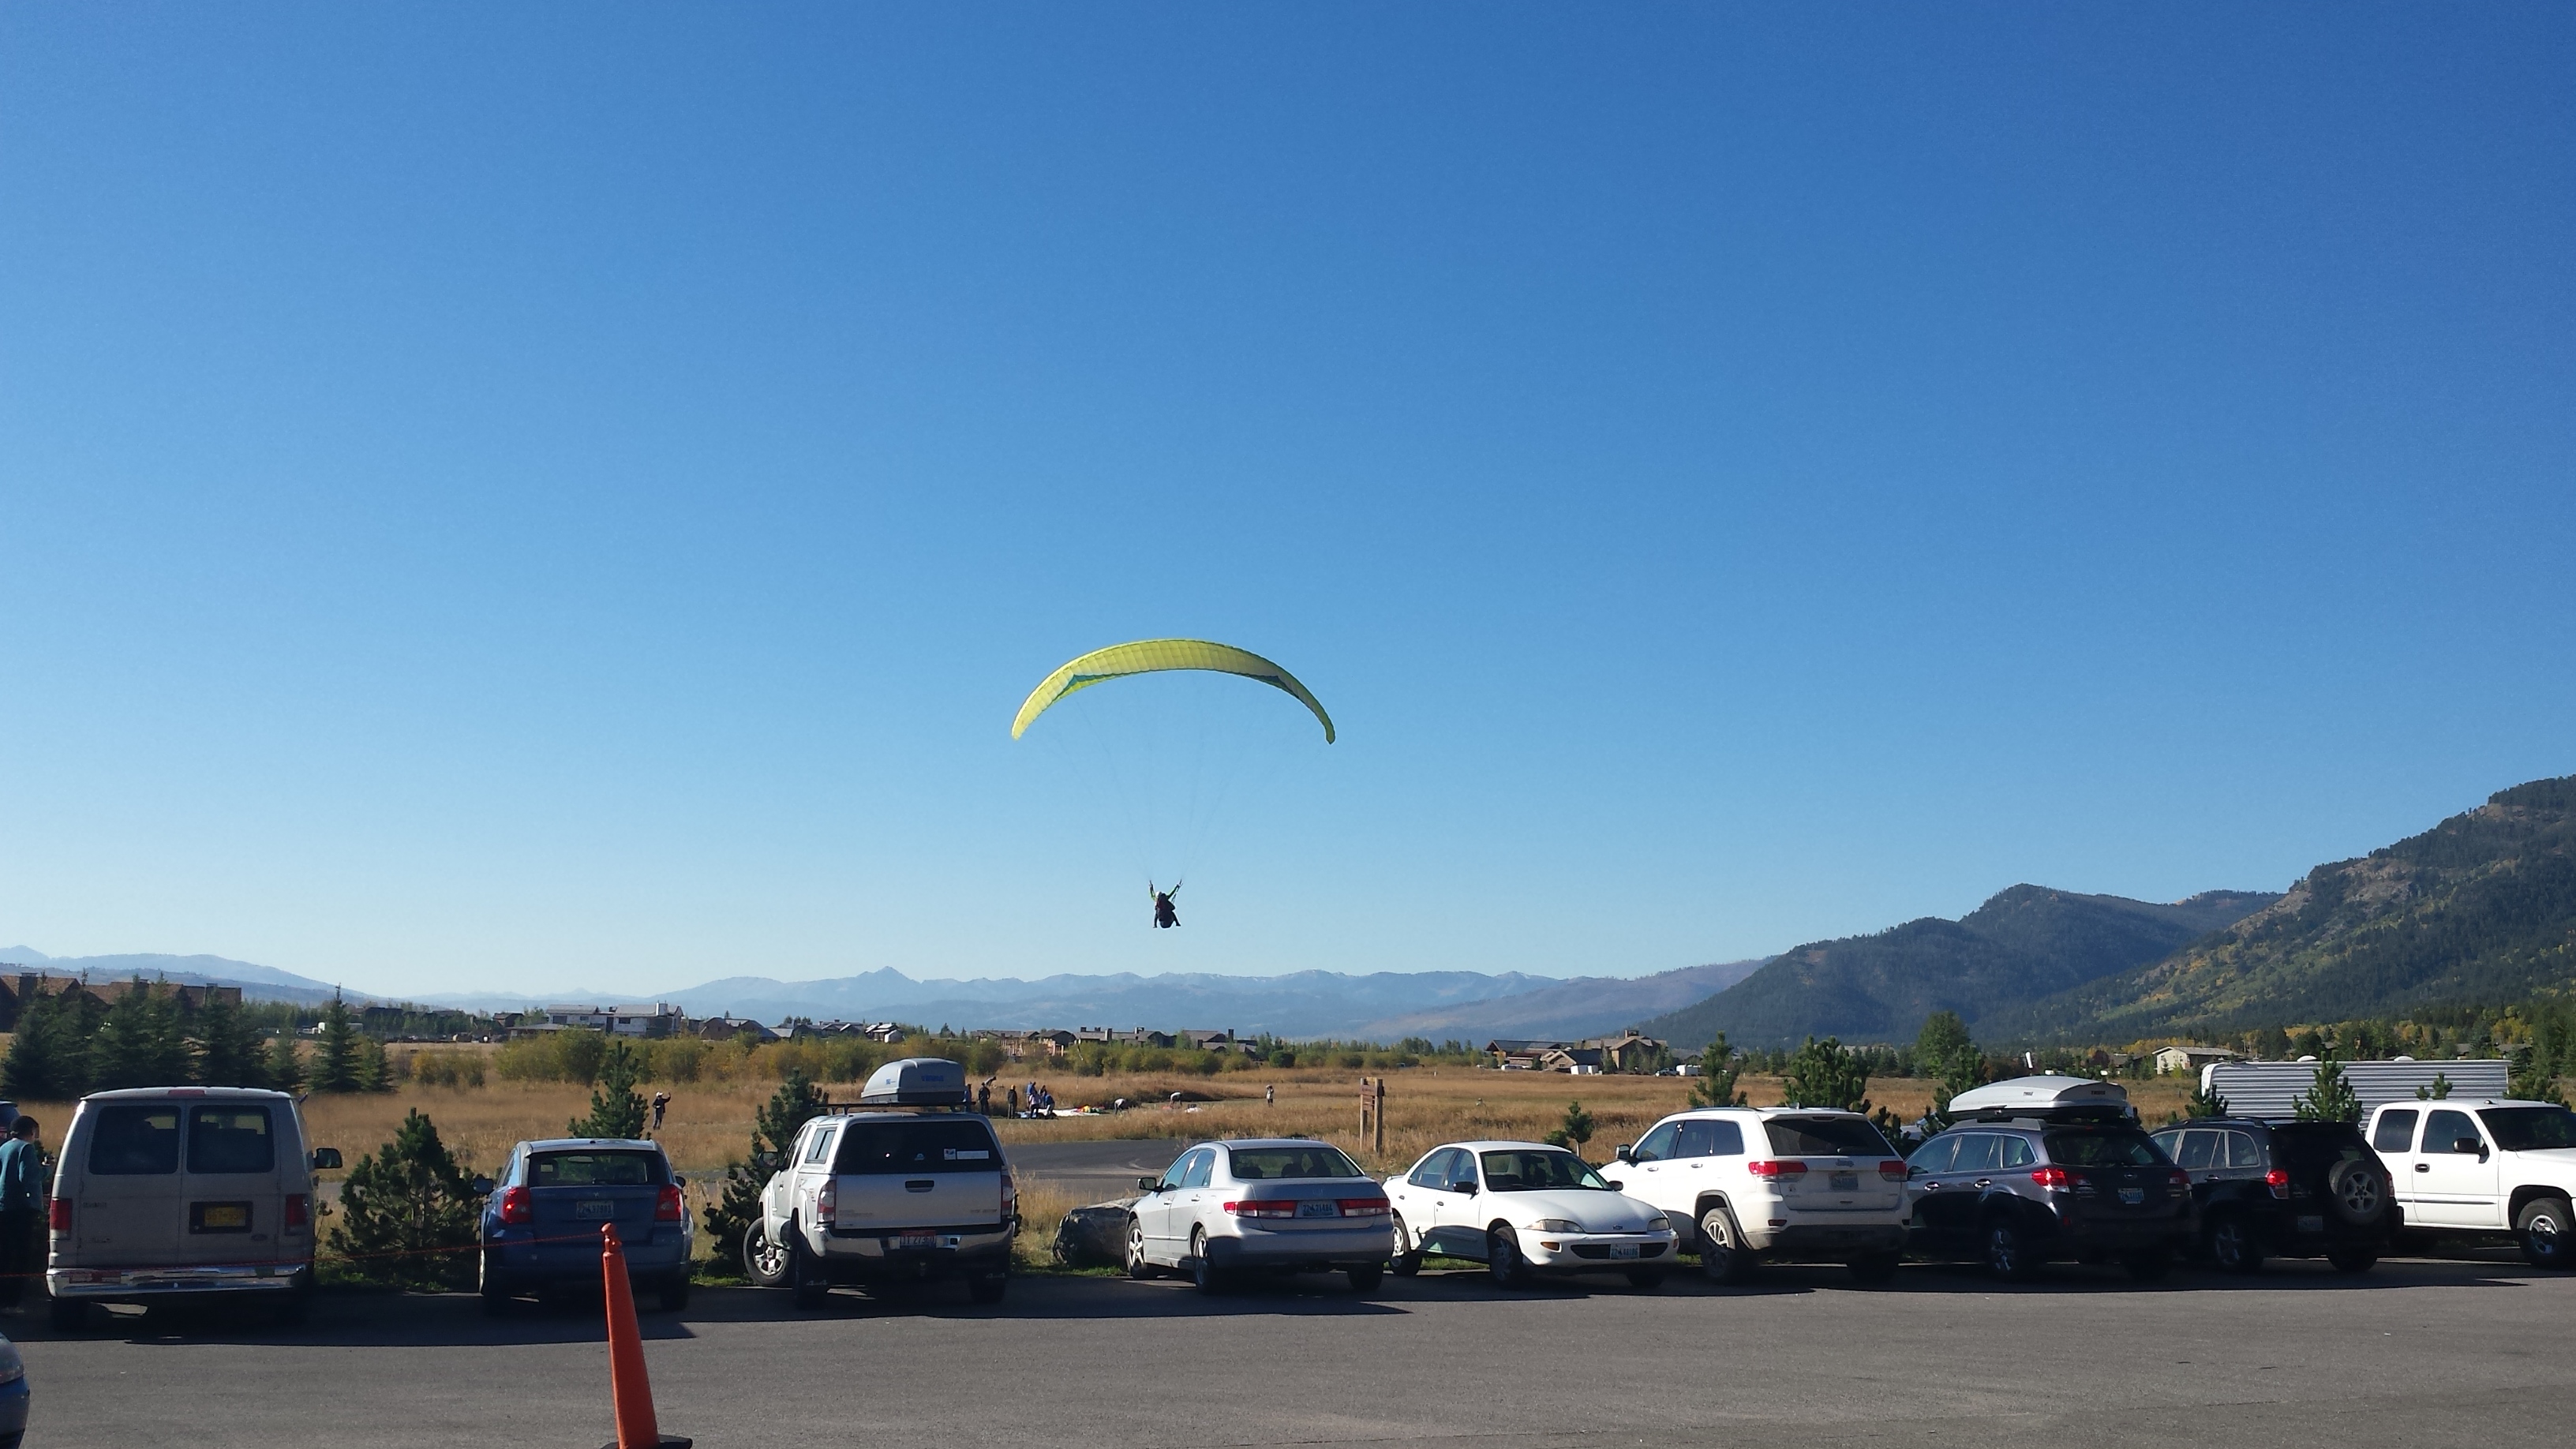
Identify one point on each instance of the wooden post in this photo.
(1364, 1111)
(1378, 1113)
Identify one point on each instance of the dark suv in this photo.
(2284, 1189)
(2015, 1193)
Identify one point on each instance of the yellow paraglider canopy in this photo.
(1148, 656)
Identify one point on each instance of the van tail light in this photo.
(2055, 1179)
(1365, 1207)
(827, 1201)
(58, 1217)
(1776, 1170)
(1263, 1208)
(667, 1207)
(2278, 1179)
(1893, 1169)
(518, 1206)
(299, 1211)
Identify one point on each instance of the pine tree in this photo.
(1718, 1074)
(2204, 1102)
(140, 1042)
(616, 1109)
(371, 1070)
(228, 1047)
(335, 1060)
(2440, 1090)
(407, 1214)
(48, 1059)
(773, 1131)
(285, 1066)
(1944, 1051)
(1575, 1130)
(1828, 1074)
(2330, 1098)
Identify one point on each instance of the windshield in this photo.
(1826, 1137)
(594, 1169)
(2521, 1129)
(2104, 1149)
(1263, 1164)
(1527, 1171)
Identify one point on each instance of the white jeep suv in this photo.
(2484, 1167)
(1790, 1184)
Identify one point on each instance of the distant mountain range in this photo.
(2479, 909)
(2025, 943)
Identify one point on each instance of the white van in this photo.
(164, 1191)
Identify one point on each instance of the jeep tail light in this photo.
(827, 1201)
(1777, 1169)
(2055, 1179)
(58, 1217)
(666, 1208)
(518, 1206)
(2278, 1179)
(1893, 1169)
(1263, 1208)
(299, 1211)
(1365, 1207)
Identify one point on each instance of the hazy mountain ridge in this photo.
(2480, 908)
(2023, 943)
(1584, 1006)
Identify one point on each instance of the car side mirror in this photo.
(678, 1181)
(1149, 1184)
(1912, 1171)
(2466, 1145)
(326, 1159)
(767, 1161)
(1466, 1187)
(1621, 1153)
(482, 1186)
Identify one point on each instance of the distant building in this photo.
(2174, 1061)
(20, 990)
(1512, 1054)
(657, 1020)
(726, 1028)
(1627, 1052)
(1209, 1041)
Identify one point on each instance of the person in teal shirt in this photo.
(22, 1206)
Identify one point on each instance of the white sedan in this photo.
(1523, 1208)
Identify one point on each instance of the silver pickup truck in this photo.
(909, 1188)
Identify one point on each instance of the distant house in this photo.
(657, 1020)
(726, 1028)
(1021, 1045)
(19, 991)
(2175, 1061)
(882, 1031)
(1138, 1036)
(1516, 1055)
(1627, 1052)
(1580, 1060)
(1209, 1041)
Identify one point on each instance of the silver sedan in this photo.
(1279, 1204)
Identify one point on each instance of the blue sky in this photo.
(510, 497)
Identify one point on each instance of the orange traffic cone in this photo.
(628, 1388)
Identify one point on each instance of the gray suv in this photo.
(2015, 1193)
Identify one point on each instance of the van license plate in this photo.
(917, 1242)
(595, 1209)
(1846, 1182)
(2133, 1195)
(2312, 1224)
(1319, 1208)
(222, 1217)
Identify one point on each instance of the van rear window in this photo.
(933, 1144)
(137, 1141)
(595, 1169)
(230, 1139)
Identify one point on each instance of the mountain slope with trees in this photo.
(2025, 943)
(2479, 909)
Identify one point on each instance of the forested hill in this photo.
(2479, 909)
(2026, 943)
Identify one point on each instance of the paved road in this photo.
(2418, 1353)
(1096, 1171)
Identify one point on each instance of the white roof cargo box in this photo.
(916, 1082)
(2041, 1094)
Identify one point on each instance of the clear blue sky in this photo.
(510, 497)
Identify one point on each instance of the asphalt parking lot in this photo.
(2421, 1351)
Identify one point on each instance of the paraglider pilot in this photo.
(1165, 915)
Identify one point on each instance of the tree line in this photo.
(154, 1035)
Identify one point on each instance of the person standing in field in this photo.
(1270, 1095)
(661, 1103)
(22, 1185)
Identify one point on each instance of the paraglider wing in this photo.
(1148, 656)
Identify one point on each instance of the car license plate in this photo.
(1319, 1209)
(2314, 1224)
(917, 1242)
(2133, 1195)
(1846, 1182)
(1623, 1250)
(595, 1208)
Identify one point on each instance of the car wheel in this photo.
(2232, 1245)
(2147, 1265)
(2357, 1191)
(2006, 1251)
(1203, 1273)
(988, 1290)
(1873, 1267)
(675, 1292)
(1408, 1258)
(494, 1289)
(2353, 1260)
(1503, 1257)
(1722, 1254)
(764, 1259)
(2543, 1226)
(1645, 1280)
(68, 1315)
(1365, 1280)
(806, 1285)
(1138, 1265)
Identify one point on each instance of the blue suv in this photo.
(542, 1217)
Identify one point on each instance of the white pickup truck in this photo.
(2484, 1167)
(873, 1198)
